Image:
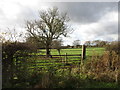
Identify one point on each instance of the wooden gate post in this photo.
(83, 56)
(65, 57)
(83, 52)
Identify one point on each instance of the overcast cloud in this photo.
(87, 12)
(91, 21)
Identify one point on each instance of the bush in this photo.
(114, 46)
(12, 54)
(105, 68)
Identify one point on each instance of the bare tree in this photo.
(33, 41)
(87, 43)
(11, 35)
(100, 43)
(50, 26)
(96, 43)
(76, 42)
(103, 43)
(12, 48)
(57, 44)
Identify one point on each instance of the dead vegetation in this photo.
(105, 68)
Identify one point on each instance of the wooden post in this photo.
(116, 75)
(83, 56)
(83, 52)
(65, 57)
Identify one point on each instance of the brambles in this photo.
(105, 68)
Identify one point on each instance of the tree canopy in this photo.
(50, 26)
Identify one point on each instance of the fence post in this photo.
(83, 52)
(83, 56)
(65, 57)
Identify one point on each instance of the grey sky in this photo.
(90, 20)
(87, 12)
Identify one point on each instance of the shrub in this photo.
(105, 68)
(114, 46)
(12, 53)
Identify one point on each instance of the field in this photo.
(89, 51)
(58, 61)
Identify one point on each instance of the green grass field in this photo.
(60, 61)
(89, 51)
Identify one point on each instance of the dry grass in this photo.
(105, 68)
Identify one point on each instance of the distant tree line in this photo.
(97, 43)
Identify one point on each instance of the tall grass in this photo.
(96, 72)
(105, 68)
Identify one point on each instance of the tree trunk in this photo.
(47, 50)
